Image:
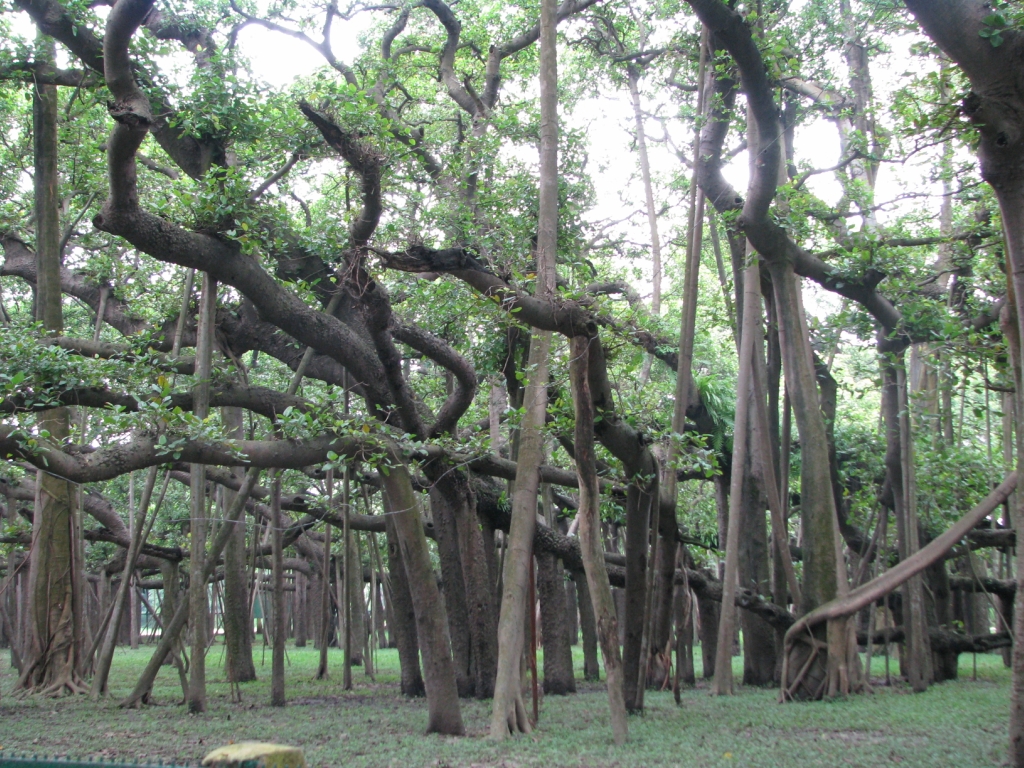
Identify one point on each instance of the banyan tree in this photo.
(358, 362)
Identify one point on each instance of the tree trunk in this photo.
(572, 624)
(683, 604)
(707, 631)
(356, 599)
(53, 648)
(639, 503)
(238, 664)
(818, 515)
(199, 609)
(277, 697)
(759, 652)
(558, 676)
(404, 629)
(588, 629)
(106, 654)
(591, 542)
(444, 713)
(454, 588)
(507, 712)
(723, 681)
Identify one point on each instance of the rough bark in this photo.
(199, 526)
(52, 652)
(588, 629)
(404, 629)
(506, 712)
(444, 712)
(277, 694)
(723, 680)
(558, 674)
(238, 664)
(591, 542)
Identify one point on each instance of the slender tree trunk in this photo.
(199, 609)
(633, 82)
(238, 664)
(106, 655)
(356, 599)
(508, 712)
(684, 393)
(277, 698)
(173, 627)
(917, 645)
(588, 629)
(344, 582)
(591, 542)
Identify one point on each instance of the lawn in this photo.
(962, 723)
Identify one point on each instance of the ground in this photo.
(962, 723)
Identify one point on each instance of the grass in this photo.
(961, 723)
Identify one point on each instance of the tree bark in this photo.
(558, 674)
(277, 695)
(106, 654)
(53, 648)
(238, 664)
(454, 588)
(591, 542)
(723, 680)
(588, 629)
(507, 712)
(198, 606)
(404, 629)
(444, 712)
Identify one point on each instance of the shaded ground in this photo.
(963, 723)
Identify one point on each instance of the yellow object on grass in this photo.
(257, 754)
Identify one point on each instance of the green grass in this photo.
(963, 723)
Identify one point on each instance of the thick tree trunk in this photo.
(53, 648)
(759, 652)
(558, 676)
(454, 587)
(444, 712)
(723, 681)
(404, 629)
(818, 516)
(238, 664)
(639, 507)
(356, 599)
(707, 631)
